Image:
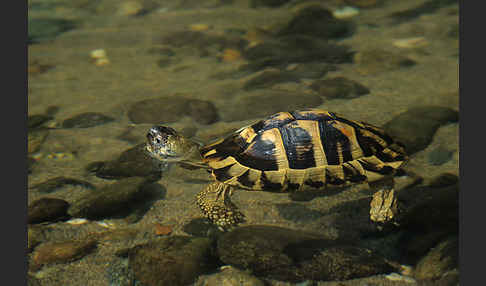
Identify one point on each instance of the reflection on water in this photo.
(101, 73)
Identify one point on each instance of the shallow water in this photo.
(193, 50)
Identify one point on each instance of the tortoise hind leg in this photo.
(384, 205)
(214, 201)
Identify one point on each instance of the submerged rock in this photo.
(174, 260)
(339, 87)
(288, 255)
(60, 252)
(58, 182)
(416, 127)
(86, 120)
(35, 139)
(297, 49)
(229, 276)
(316, 21)
(47, 209)
(427, 7)
(375, 61)
(134, 162)
(107, 201)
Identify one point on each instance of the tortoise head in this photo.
(165, 144)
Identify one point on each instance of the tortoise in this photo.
(285, 152)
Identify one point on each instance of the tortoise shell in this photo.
(307, 149)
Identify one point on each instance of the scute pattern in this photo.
(308, 149)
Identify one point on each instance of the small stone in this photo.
(345, 12)
(231, 55)
(60, 252)
(109, 200)
(315, 21)
(77, 221)
(439, 156)
(339, 87)
(35, 236)
(86, 120)
(416, 127)
(47, 209)
(410, 43)
(162, 229)
(102, 61)
(35, 67)
(200, 227)
(199, 27)
(130, 8)
(98, 54)
(401, 278)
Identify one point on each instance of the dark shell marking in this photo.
(308, 149)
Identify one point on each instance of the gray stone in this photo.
(134, 162)
(415, 128)
(287, 255)
(86, 120)
(47, 209)
(55, 183)
(339, 87)
(108, 200)
(174, 260)
(229, 276)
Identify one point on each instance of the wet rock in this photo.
(35, 139)
(134, 162)
(58, 182)
(47, 209)
(427, 7)
(44, 29)
(267, 3)
(269, 102)
(439, 156)
(416, 127)
(172, 108)
(109, 200)
(86, 120)
(439, 260)
(287, 255)
(229, 276)
(60, 252)
(297, 49)
(316, 21)
(174, 260)
(375, 61)
(339, 87)
(200, 227)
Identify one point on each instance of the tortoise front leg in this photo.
(215, 203)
